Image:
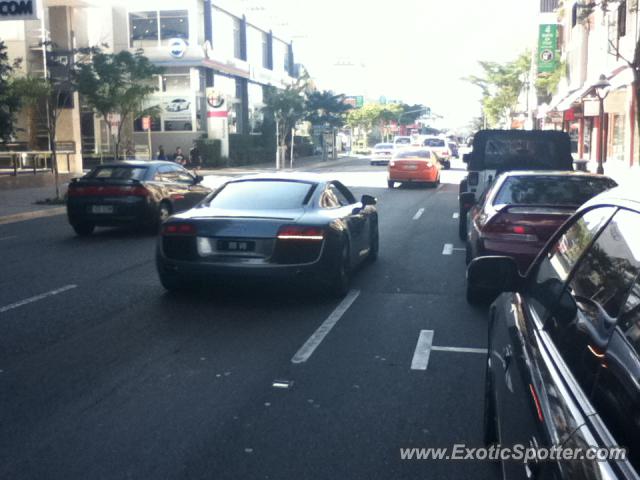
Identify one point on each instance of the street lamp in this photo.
(602, 89)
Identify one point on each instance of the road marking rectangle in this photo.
(456, 215)
(26, 301)
(447, 249)
(323, 330)
(423, 350)
(418, 214)
(459, 349)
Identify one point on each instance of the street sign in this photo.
(146, 123)
(547, 48)
(359, 101)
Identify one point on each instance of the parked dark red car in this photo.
(521, 210)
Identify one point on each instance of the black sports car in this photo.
(134, 193)
(278, 226)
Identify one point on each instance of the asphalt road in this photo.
(103, 375)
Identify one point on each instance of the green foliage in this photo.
(9, 101)
(250, 149)
(326, 108)
(501, 85)
(210, 151)
(117, 84)
(547, 85)
(287, 106)
(410, 113)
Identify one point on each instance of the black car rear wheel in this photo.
(83, 229)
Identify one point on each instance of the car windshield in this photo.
(433, 142)
(383, 146)
(551, 190)
(262, 195)
(118, 173)
(403, 141)
(413, 154)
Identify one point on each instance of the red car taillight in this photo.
(296, 232)
(107, 191)
(179, 229)
(499, 228)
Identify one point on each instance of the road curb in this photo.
(20, 217)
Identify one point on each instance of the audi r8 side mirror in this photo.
(368, 200)
(490, 276)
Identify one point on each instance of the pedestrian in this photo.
(194, 156)
(178, 157)
(161, 155)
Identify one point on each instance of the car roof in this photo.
(619, 197)
(137, 163)
(547, 173)
(307, 177)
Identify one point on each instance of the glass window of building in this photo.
(265, 51)
(174, 24)
(256, 98)
(237, 39)
(176, 82)
(143, 29)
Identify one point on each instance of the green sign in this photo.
(359, 101)
(548, 48)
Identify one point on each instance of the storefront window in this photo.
(143, 29)
(174, 24)
(177, 126)
(176, 83)
(617, 137)
(152, 29)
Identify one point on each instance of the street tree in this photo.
(326, 108)
(117, 85)
(501, 84)
(47, 97)
(373, 115)
(287, 107)
(9, 101)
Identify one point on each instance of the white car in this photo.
(178, 105)
(382, 153)
(402, 141)
(439, 146)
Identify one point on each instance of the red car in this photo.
(414, 165)
(521, 210)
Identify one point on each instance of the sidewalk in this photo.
(18, 204)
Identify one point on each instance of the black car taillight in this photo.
(301, 233)
(500, 228)
(298, 244)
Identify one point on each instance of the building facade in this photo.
(198, 43)
(596, 39)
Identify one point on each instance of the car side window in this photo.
(342, 194)
(605, 275)
(553, 270)
(165, 174)
(181, 175)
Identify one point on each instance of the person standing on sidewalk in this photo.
(178, 157)
(161, 155)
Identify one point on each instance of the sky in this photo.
(415, 51)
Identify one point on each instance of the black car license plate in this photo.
(236, 246)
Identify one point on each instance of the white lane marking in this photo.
(8, 238)
(418, 214)
(456, 215)
(423, 350)
(460, 350)
(323, 330)
(26, 301)
(459, 249)
(447, 249)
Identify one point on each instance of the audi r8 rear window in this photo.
(262, 195)
(551, 190)
(123, 172)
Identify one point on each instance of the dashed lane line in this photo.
(36, 298)
(323, 330)
(418, 214)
